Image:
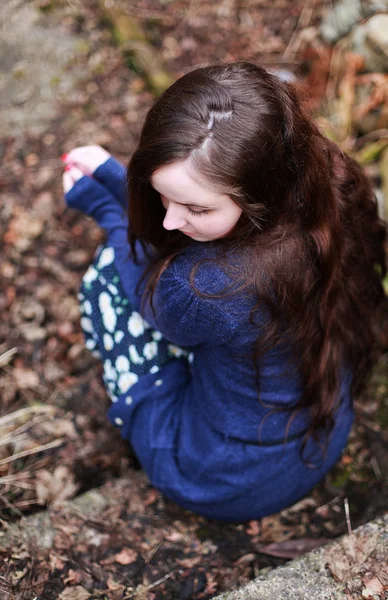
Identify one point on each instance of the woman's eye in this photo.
(198, 212)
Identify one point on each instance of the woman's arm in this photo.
(182, 316)
(93, 199)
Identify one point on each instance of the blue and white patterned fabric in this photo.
(183, 390)
(127, 346)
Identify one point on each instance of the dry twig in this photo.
(347, 515)
(52, 444)
(148, 587)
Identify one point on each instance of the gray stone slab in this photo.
(307, 577)
(38, 527)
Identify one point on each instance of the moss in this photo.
(82, 47)
(341, 476)
(88, 108)
(55, 81)
(131, 63)
(19, 73)
(385, 284)
(382, 414)
(203, 533)
(46, 6)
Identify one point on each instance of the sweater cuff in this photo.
(112, 175)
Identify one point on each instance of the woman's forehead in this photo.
(178, 178)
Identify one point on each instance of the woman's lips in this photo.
(187, 232)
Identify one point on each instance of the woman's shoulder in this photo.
(187, 304)
(205, 268)
(206, 276)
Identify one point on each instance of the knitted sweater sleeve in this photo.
(179, 314)
(112, 175)
(96, 201)
(183, 317)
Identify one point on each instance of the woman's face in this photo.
(191, 206)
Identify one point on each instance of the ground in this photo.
(56, 441)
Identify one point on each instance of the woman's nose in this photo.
(174, 218)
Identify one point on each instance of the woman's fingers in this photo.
(70, 176)
(86, 158)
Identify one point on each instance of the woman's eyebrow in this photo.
(185, 203)
(193, 204)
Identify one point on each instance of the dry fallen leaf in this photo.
(59, 428)
(174, 536)
(23, 229)
(74, 593)
(253, 528)
(25, 378)
(348, 553)
(16, 575)
(55, 487)
(20, 554)
(56, 563)
(112, 585)
(292, 548)
(339, 565)
(73, 577)
(126, 556)
(274, 530)
(374, 586)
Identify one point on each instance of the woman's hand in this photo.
(86, 158)
(81, 161)
(97, 164)
(70, 176)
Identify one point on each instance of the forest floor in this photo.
(55, 439)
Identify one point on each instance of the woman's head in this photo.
(192, 206)
(239, 132)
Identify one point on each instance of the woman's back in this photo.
(225, 388)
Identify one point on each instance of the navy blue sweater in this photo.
(196, 428)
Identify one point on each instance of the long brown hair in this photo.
(309, 219)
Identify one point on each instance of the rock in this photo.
(308, 577)
(377, 33)
(29, 85)
(370, 40)
(340, 20)
(38, 528)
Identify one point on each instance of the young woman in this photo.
(233, 307)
